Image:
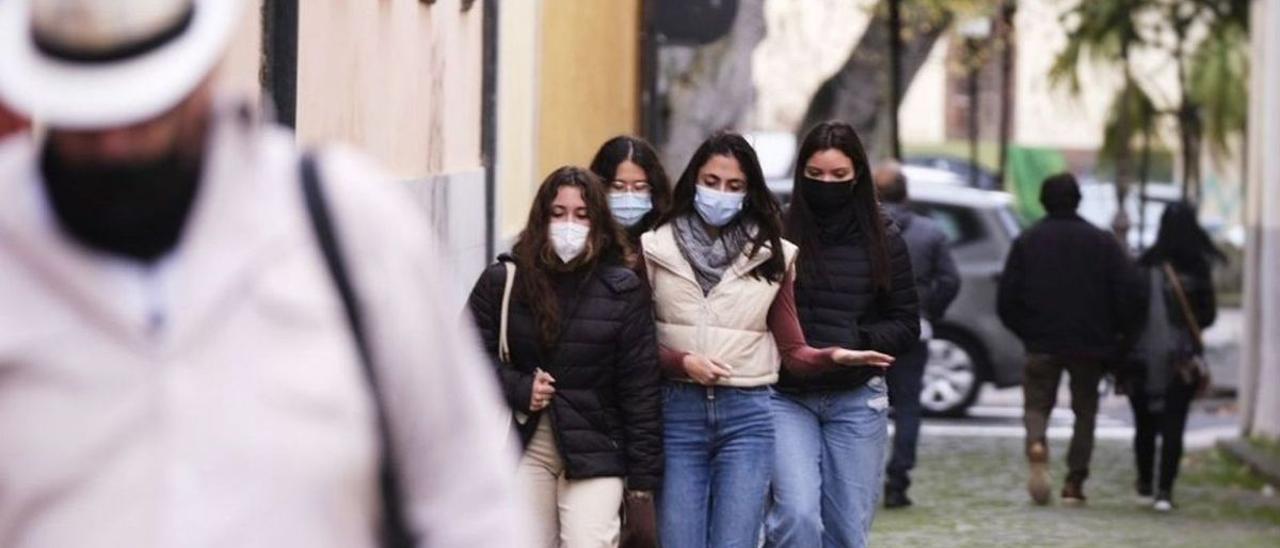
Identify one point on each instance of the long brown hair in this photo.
(802, 228)
(536, 258)
(760, 206)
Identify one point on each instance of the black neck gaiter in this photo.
(136, 210)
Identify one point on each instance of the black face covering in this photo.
(826, 197)
(137, 210)
(831, 212)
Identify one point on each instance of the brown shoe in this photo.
(1073, 494)
(1038, 486)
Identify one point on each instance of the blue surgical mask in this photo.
(629, 207)
(718, 208)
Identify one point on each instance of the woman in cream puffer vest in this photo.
(722, 280)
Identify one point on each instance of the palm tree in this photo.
(1106, 32)
(1212, 76)
(1217, 80)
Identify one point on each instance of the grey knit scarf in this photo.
(709, 257)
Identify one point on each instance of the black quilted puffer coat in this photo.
(607, 411)
(842, 307)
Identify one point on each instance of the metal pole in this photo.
(973, 112)
(488, 125)
(1007, 11)
(280, 48)
(895, 76)
(651, 123)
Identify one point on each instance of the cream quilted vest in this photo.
(729, 324)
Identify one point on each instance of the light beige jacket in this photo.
(729, 324)
(216, 399)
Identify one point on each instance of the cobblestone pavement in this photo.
(970, 491)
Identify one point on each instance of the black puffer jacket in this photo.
(841, 307)
(607, 412)
(1068, 289)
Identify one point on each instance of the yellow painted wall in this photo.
(396, 78)
(590, 77)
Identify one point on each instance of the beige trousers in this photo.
(568, 513)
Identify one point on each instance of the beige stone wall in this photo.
(240, 72)
(396, 78)
(401, 81)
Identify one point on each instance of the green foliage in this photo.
(1134, 106)
(1101, 31)
(1218, 82)
(1213, 69)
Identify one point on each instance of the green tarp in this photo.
(1028, 168)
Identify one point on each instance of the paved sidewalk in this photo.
(970, 491)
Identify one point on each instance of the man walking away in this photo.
(1067, 292)
(937, 283)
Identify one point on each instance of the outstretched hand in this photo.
(870, 358)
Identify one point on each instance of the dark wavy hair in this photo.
(760, 208)
(802, 226)
(536, 258)
(623, 148)
(1182, 242)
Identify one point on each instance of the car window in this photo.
(961, 225)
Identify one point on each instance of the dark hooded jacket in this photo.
(1068, 289)
(937, 278)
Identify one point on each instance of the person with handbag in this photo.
(1168, 354)
(569, 327)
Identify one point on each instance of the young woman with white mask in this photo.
(722, 279)
(579, 367)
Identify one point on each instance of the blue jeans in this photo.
(906, 380)
(830, 461)
(719, 456)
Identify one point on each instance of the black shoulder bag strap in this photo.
(395, 530)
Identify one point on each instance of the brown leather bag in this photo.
(639, 522)
(1194, 371)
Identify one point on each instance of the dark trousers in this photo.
(1040, 391)
(906, 380)
(1168, 424)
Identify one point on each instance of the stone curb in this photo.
(1264, 465)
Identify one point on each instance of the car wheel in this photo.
(952, 377)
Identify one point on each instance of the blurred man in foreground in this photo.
(187, 358)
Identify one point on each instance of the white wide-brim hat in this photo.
(102, 94)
